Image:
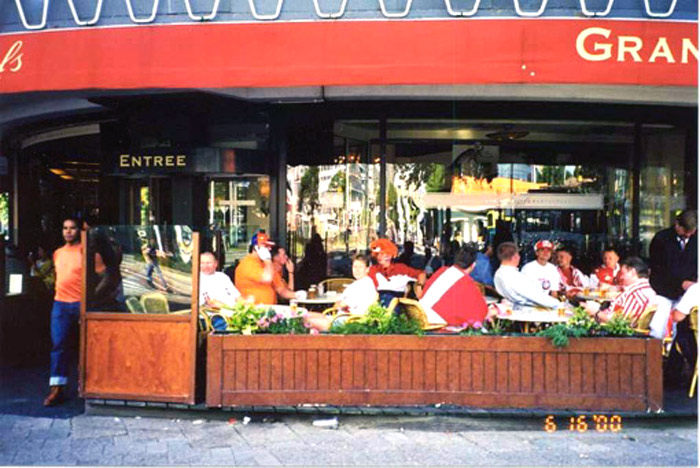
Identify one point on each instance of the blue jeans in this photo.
(64, 322)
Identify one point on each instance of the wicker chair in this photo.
(643, 325)
(413, 309)
(155, 303)
(134, 305)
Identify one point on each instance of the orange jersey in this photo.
(249, 273)
(68, 261)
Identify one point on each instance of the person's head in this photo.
(71, 231)
(543, 251)
(465, 258)
(42, 252)
(632, 269)
(508, 254)
(384, 250)
(261, 240)
(564, 258)
(488, 250)
(360, 266)
(408, 248)
(279, 255)
(610, 258)
(686, 223)
(208, 263)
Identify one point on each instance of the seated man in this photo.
(636, 295)
(609, 272)
(452, 295)
(280, 261)
(516, 287)
(391, 279)
(543, 271)
(255, 273)
(215, 288)
(571, 279)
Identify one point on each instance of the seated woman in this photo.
(356, 298)
(391, 279)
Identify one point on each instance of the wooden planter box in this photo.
(506, 372)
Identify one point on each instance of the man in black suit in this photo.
(674, 268)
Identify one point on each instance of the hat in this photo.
(544, 244)
(260, 238)
(385, 246)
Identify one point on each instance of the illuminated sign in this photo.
(152, 161)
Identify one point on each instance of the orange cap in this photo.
(385, 246)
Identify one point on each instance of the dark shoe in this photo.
(55, 397)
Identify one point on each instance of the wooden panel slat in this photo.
(394, 370)
(406, 372)
(625, 374)
(240, 370)
(575, 378)
(639, 378)
(300, 369)
(312, 369)
(600, 374)
(550, 373)
(358, 370)
(324, 369)
(465, 367)
(526, 372)
(538, 372)
(372, 369)
(383, 370)
(514, 366)
(563, 373)
(453, 371)
(346, 369)
(430, 371)
(502, 369)
(335, 370)
(441, 363)
(478, 371)
(276, 369)
(588, 373)
(265, 370)
(613, 369)
(489, 371)
(418, 374)
(229, 369)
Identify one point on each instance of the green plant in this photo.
(244, 319)
(379, 321)
(579, 325)
(618, 325)
(276, 323)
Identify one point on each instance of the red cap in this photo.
(261, 239)
(544, 244)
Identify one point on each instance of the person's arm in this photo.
(290, 271)
(534, 294)
(678, 316)
(420, 284)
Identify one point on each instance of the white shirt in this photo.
(217, 287)
(690, 299)
(547, 275)
(520, 289)
(359, 295)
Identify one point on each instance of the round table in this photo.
(595, 296)
(527, 315)
(320, 302)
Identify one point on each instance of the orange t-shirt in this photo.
(249, 273)
(68, 261)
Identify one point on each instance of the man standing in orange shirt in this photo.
(255, 272)
(68, 261)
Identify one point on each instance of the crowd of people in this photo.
(453, 296)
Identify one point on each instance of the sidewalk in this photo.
(66, 435)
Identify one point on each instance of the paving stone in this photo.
(260, 434)
(156, 448)
(265, 458)
(97, 426)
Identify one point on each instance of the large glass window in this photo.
(237, 207)
(453, 182)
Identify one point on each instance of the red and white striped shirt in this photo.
(576, 280)
(634, 300)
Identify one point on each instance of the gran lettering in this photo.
(132, 161)
(600, 44)
(12, 59)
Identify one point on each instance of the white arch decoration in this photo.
(80, 22)
(665, 14)
(258, 16)
(337, 14)
(587, 12)
(148, 19)
(23, 19)
(208, 17)
(529, 14)
(452, 12)
(399, 14)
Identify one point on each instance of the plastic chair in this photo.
(334, 284)
(134, 305)
(155, 303)
(413, 309)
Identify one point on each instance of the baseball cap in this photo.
(260, 238)
(544, 244)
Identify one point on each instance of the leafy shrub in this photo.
(379, 321)
(618, 325)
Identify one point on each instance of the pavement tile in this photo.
(265, 458)
(90, 427)
(156, 448)
(257, 434)
(244, 457)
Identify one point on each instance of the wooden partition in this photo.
(505, 372)
(141, 356)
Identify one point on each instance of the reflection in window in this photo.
(140, 269)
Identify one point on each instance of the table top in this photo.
(595, 295)
(536, 314)
(319, 300)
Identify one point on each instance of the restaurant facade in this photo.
(428, 121)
